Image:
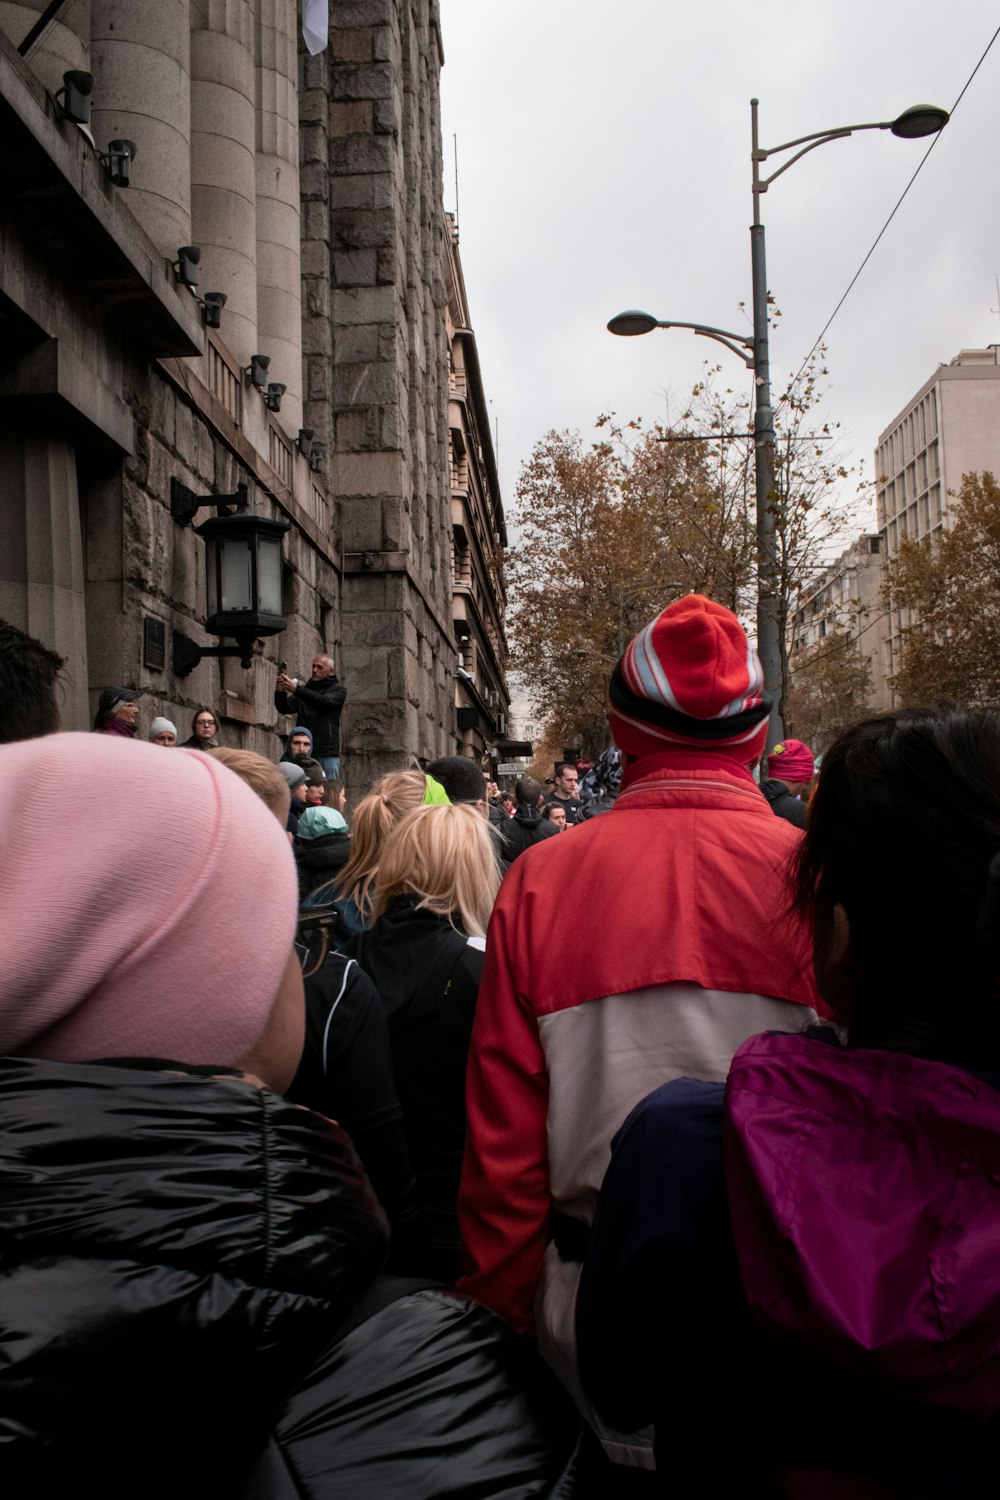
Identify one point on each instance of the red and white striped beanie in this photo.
(690, 678)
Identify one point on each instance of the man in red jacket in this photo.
(678, 950)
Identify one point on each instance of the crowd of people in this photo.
(421, 1151)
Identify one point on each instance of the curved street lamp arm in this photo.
(732, 341)
(819, 136)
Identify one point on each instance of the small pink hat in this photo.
(791, 761)
(151, 916)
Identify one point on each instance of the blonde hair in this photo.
(260, 776)
(443, 855)
(375, 816)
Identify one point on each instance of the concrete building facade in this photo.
(479, 535)
(847, 596)
(951, 427)
(312, 189)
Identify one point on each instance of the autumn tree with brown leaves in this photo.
(607, 534)
(947, 590)
(830, 690)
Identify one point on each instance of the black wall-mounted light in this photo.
(118, 161)
(211, 309)
(186, 264)
(74, 98)
(304, 441)
(256, 371)
(242, 573)
(317, 455)
(273, 395)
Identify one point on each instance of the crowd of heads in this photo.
(163, 948)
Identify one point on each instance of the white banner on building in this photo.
(316, 24)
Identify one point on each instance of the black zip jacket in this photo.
(189, 1307)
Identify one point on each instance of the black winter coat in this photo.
(525, 828)
(179, 1258)
(428, 977)
(783, 804)
(316, 706)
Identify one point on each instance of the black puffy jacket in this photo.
(181, 1257)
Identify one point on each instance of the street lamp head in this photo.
(628, 324)
(919, 120)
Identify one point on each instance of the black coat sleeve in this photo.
(320, 701)
(346, 1074)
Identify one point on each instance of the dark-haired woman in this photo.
(204, 731)
(797, 1275)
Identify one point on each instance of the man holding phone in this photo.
(316, 705)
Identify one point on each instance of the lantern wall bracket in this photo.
(184, 503)
(187, 653)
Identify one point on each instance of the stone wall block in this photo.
(352, 46)
(367, 672)
(315, 181)
(398, 675)
(315, 260)
(319, 378)
(360, 524)
(372, 80)
(351, 230)
(388, 117)
(350, 15)
(354, 268)
(315, 221)
(395, 524)
(352, 432)
(313, 105)
(359, 154)
(352, 305)
(351, 118)
(387, 268)
(358, 345)
(374, 474)
(314, 73)
(363, 385)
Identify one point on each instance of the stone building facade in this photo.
(311, 186)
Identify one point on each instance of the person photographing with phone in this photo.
(316, 705)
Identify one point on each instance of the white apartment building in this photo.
(951, 427)
(847, 595)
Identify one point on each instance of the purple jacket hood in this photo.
(865, 1196)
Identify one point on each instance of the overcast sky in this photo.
(604, 163)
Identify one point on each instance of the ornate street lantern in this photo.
(242, 573)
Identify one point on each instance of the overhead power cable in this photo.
(850, 286)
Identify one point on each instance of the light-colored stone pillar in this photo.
(64, 44)
(223, 175)
(141, 64)
(41, 561)
(279, 285)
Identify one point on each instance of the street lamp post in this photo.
(915, 122)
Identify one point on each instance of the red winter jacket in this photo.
(646, 945)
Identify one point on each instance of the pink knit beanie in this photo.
(691, 678)
(151, 915)
(791, 761)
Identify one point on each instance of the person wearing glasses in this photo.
(204, 731)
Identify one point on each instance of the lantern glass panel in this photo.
(269, 575)
(236, 574)
(212, 576)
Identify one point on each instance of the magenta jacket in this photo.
(810, 1259)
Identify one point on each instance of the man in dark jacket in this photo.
(527, 826)
(316, 705)
(790, 774)
(565, 792)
